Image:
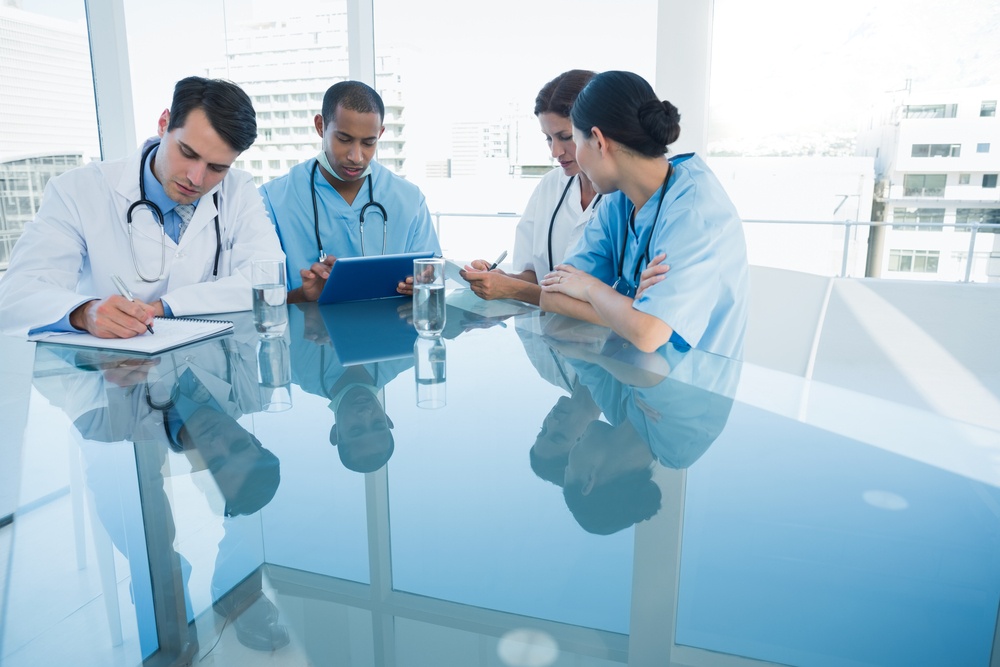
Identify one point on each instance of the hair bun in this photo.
(661, 120)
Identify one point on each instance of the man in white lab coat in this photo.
(172, 220)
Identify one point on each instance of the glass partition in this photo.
(48, 122)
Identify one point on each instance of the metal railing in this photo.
(972, 228)
(9, 237)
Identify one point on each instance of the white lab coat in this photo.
(79, 238)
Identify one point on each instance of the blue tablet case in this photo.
(363, 332)
(361, 278)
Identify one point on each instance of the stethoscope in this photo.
(158, 215)
(552, 220)
(361, 216)
(164, 407)
(621, 285)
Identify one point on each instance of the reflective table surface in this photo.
(523, 490)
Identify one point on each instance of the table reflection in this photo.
(173, 414)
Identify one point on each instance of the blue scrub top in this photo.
(704, 297)
(288, 201)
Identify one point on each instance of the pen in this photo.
(497, 263)
(124, 291)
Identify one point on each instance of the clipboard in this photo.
(363, 278)
(363, 332)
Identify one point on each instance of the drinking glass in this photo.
(270, 314)
(430, 363)
(428, 296)
(274, 373)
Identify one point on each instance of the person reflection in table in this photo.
(608, 482)
(186, 402)
(362, 431)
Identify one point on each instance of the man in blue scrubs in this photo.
(343, 203)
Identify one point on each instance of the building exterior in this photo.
(48, 119)
(798, 211)
(937, 161)
(286, 65)
(22, 182)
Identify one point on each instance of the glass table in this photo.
(523, 490)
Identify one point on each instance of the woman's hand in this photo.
(570, 281)
(654, 272)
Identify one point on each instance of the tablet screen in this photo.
(376, 277)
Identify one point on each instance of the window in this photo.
(982, 148)
(256, 164)
(274, 164)
(989, 180)
(924, 185)
(930, 111)
(964, 179)
(988, 108)
(914, 261)
(980, 216)
(936, 150)
(928, 219)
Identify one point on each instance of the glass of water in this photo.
(270, 315)
(428, 296)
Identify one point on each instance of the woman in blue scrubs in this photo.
(657, 209)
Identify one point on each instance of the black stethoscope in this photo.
(158, 215)
(552, 220)
(164, 407)
(361, 216)
(621, 285)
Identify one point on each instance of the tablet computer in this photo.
(363, 332)
(361, 278)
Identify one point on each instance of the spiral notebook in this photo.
(170, 333)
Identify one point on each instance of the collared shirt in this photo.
(156, 194)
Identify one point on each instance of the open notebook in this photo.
(170, 332)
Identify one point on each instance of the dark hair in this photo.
(352, 95)
(624, 501)
(363, 462)
(558, 95)
(551, 469)
(229, 109)
(626, 109)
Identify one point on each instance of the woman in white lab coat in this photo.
(558, 209)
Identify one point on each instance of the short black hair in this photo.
(227, 106)
(352, 95)
(622, 502)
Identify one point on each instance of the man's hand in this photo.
(113, 317)
(313, 281)
(405, 287)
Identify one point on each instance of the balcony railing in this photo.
(485, 241)
(491, 233)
